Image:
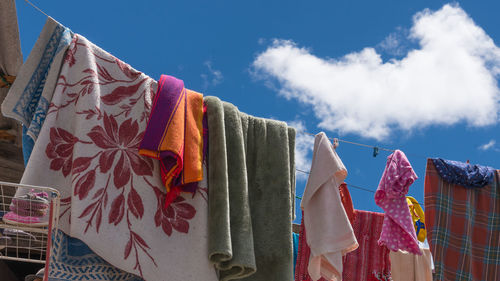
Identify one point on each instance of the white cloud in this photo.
(303, 148)
(214, 76)
(488, 145)
(450, 78)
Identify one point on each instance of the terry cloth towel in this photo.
(409, 267)
(464, 174)
(329, 232)
(11, 57)
(251, 179)
(71, 259)
(369, 262)
(174, 136)
(112, 197)
(30, 95)
(463, 228)
(398, 232)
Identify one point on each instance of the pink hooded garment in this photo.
(398, 232)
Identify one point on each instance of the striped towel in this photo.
(463, 228)
(175, 136)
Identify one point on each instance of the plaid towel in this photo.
(463, 228)
(174, 136)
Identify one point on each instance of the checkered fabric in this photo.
(463, 228)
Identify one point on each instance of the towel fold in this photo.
(174, 136)
(250, 195)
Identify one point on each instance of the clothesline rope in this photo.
(351, 142)
(348, 184)
(34, 6)
(364, 145)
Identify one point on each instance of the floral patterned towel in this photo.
(112, 196)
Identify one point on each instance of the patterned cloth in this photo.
(464, 174)
(71, 259)
(371, 261)
(112, 197)
(463, 228)
(30, 95)
(398, 232)
(174, 136)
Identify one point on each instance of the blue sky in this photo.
(385, 73)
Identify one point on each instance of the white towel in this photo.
(329, 232)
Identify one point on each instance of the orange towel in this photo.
(174, 136)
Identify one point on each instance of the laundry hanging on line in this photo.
(381, 276)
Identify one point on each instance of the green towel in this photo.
(251, 194)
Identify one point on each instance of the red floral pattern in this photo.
(175, 216)
(116, 162)
(60, 150)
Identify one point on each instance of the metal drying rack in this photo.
(28, 239)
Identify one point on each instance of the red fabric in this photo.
(369, 262)
(345, 196)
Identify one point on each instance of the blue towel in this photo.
(295, 249)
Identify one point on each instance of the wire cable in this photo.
(34, 6)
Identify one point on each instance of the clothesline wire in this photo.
(34, 6)
(348, 184)
(364, 145)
